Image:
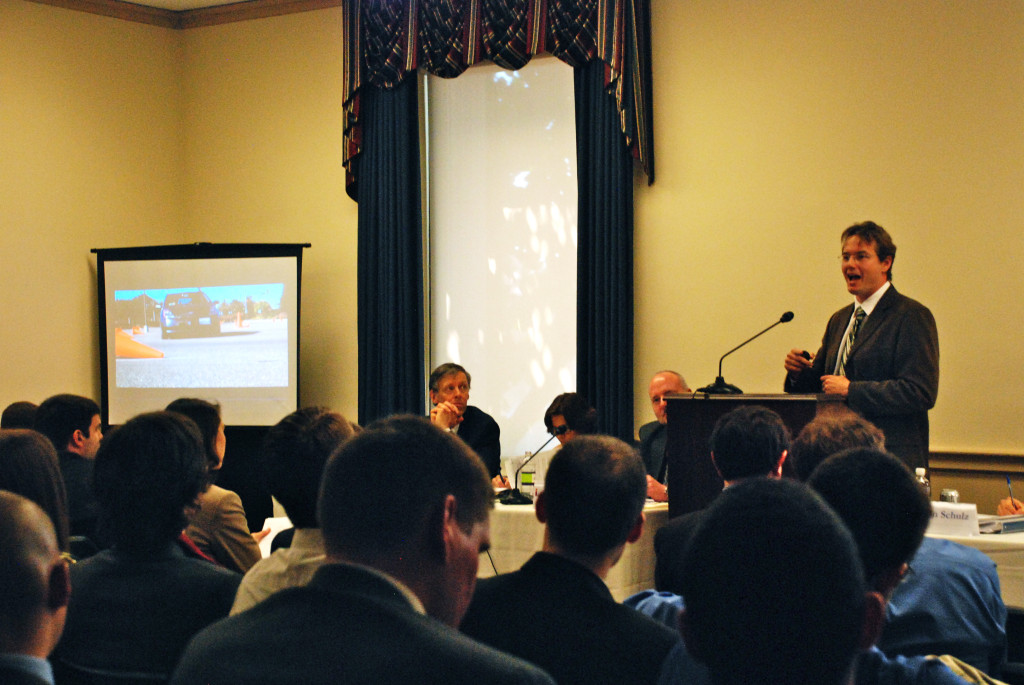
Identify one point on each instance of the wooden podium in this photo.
(693, 480)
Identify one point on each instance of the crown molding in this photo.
(191, 19)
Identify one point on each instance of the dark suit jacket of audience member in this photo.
(669, 545)
(653, 437)
(897, 353)
(348, 625)
(559, 615)
(129, 614)
(83, 511)
(481, 432)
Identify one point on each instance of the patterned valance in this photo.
(385, 40)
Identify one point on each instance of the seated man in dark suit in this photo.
(136, 605)
(403, 540)
(449, 393)
(653, 435)
(747, 442)
(72, 423)
(33, 592)
(556, 610)
(951, 603)
(879, 500)
(889, 548)
(773, 589)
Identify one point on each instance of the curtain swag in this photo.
(385, 40)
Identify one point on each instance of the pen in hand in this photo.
(1011, 506)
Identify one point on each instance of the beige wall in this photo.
(91, 156)
(779, 124)
(776, 125)
(263, 111)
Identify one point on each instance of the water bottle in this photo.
(526, 485)
(922, 481)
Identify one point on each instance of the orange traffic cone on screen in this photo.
(127, 348)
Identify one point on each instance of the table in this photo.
(516, 534)
(1007, 551)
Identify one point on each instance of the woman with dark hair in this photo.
(219, 527)
(570, 415)
(28, 467)
(135, 606)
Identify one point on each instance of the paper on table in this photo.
(1001, 524)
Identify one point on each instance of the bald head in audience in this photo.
(34, 586)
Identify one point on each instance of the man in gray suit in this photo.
(880, 352)
(653, 435)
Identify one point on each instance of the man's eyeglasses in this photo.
(560, 430)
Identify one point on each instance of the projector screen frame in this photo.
(190, 251)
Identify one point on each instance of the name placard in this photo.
(953, 519)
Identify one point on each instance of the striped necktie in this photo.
(858, 319)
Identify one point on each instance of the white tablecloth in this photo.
(516, 534)
(1007, 551)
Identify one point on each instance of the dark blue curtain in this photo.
(390, 279)
(604, 317)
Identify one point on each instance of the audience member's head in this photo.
(295, 452)
(72, 423)
(149, 471)
(749, 441)
(570, 415)
(28, 467)
(34, 585)
(206, 416)
(594, 496)
(19, 415)
(877, 497)
(772, 588)
(830, 433)
(663, 383)
(412, 500)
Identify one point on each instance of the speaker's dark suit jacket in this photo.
(348, 625)
(559, 615)
(481, 432)
(893, 369)
(653, 437)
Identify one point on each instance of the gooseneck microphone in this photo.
(514, 496)
(720, 387)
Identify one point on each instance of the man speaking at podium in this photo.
(881, 352)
